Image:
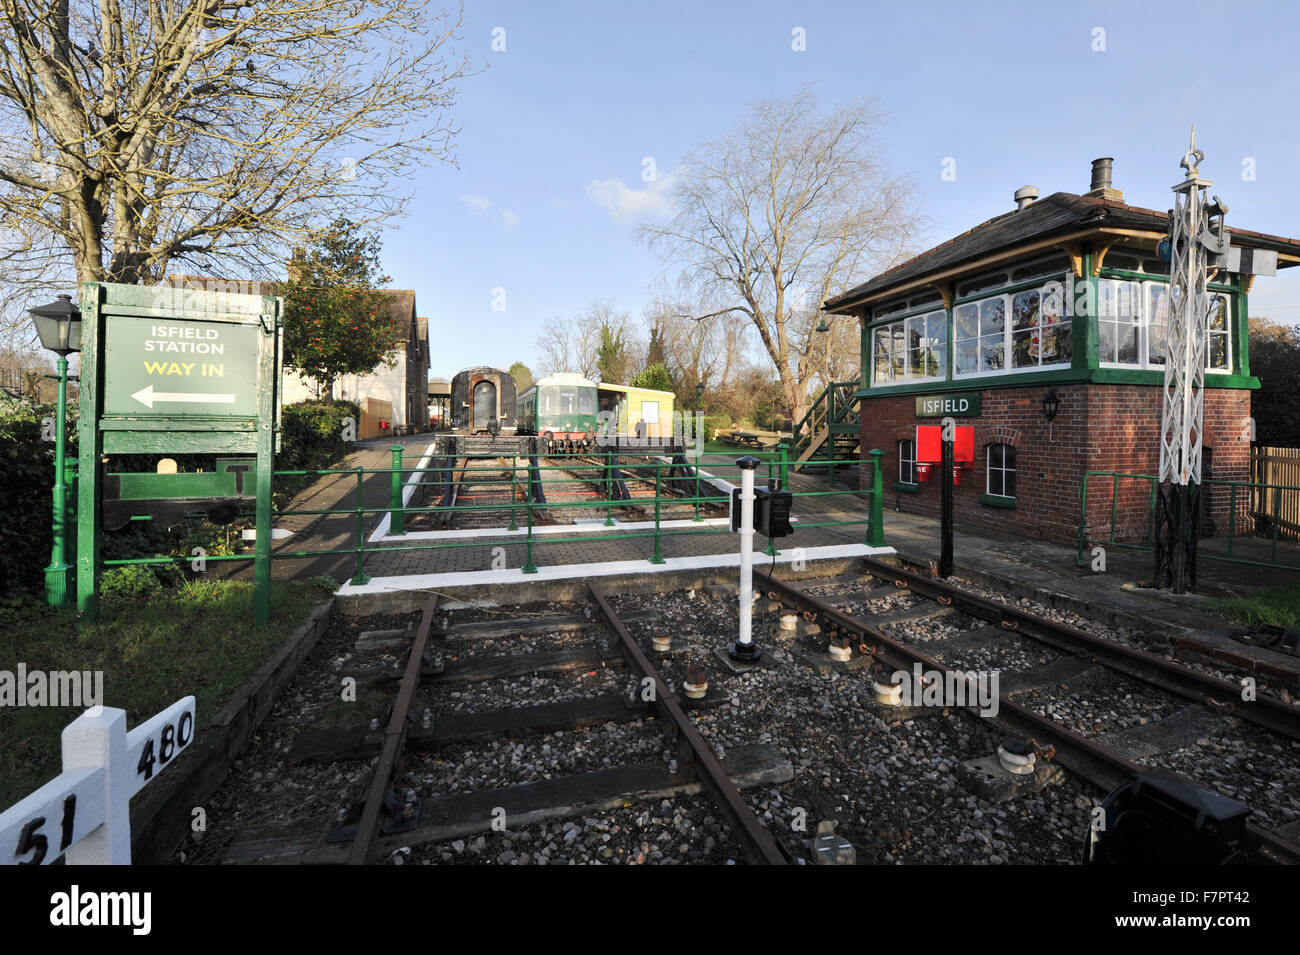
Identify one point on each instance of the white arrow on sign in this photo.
(147, 396)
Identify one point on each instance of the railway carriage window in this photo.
(586, 401)
(1001, 470)
(907, 461)
(650, 412)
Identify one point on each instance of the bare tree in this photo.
(566, 345)
(790, 208)
(574, 345)
(707, 350)
(136, 133)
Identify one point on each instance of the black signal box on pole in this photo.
(771, 511)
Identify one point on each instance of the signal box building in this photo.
(1058, 305)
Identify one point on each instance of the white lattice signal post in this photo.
(1197, 241)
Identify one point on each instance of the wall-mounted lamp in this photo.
(1050, 403)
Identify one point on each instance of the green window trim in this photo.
(1063, 375)
(997, 500)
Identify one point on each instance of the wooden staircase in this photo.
(831, 429)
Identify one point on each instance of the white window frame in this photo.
(903, 459)
(650, 412)
(1146, 312)
(901, 322)
(1226, 334)
(1067, 317)
(1001, 469)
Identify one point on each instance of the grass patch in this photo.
(1272, 607)
(197, 639)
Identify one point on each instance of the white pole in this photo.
(97, 738)
(746, 555)
(744, 648)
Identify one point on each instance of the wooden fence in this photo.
(375, 413)
(1270, 506)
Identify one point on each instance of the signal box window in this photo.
(1002, 470)
(907, 462)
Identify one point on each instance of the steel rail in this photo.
(394, 740)
(1104, 768)
(758, 841)
(1219, 695)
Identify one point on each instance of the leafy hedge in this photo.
(25, 498)
(312, 434)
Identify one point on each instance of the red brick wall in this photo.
(1097, 428)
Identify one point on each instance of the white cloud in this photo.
(625, 204)
(482, 204)
(564, 205)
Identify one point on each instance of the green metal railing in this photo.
(693, 491)
(1242, 522)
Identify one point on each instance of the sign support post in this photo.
(945, 519)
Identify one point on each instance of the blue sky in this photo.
(1014, 92)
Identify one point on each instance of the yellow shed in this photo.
(637, 406)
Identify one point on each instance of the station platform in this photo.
(1044, 571)
(589, 547)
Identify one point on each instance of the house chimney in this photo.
(1101, 187)
(1025, 195)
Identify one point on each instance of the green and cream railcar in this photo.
(561, 409)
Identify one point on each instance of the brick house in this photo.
(1065, 296)
(399, 386)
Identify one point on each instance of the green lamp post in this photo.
(59, 327)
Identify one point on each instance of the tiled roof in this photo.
(1058, 214)
(401, 302)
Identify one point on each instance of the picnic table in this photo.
(747, 439)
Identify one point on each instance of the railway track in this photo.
(1159, 707)
(582, 682)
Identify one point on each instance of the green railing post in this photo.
(514, 473)
(359, 578)
(697, 488)
(1232, 516)
(657, 558)
(771, 550)
(1083, 518)
(876, 526)
(529, 567)
(783, 450)
(397, 517)
(609, 488)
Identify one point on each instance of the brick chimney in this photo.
(1101, 187)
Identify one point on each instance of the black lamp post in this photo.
(59, 327)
